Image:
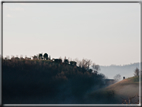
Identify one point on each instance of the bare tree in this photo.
(117, 77)
(77, 62)
(49, 57)
(85, 63)
(95, 67)
(89, 62)
(136, 72)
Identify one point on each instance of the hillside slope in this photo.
(127, 89)
(46, 82)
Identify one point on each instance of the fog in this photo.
(124, 70)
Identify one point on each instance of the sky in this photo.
(104, 33)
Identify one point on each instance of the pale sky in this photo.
(104, 33)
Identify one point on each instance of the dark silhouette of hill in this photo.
(27, 81)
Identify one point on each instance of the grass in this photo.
(120, 91)
(134, 79)
(130, 100)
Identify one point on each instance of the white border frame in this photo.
(134, 1)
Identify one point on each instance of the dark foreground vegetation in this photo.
(47, 81)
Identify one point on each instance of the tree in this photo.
(73, 63)
(117, 77)
(88, 63)
(45, 56)
(66, 61)
(40, 56)
(58, 60)
(136, 72)
(34, 57)
(49, 57)
(85, 63)
(95, 67)
(6, 58)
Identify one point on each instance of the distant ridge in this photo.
(123, 70)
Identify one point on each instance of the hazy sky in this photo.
(105, 33)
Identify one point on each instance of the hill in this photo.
(55, 82)
(29, 81)
(127, 89)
